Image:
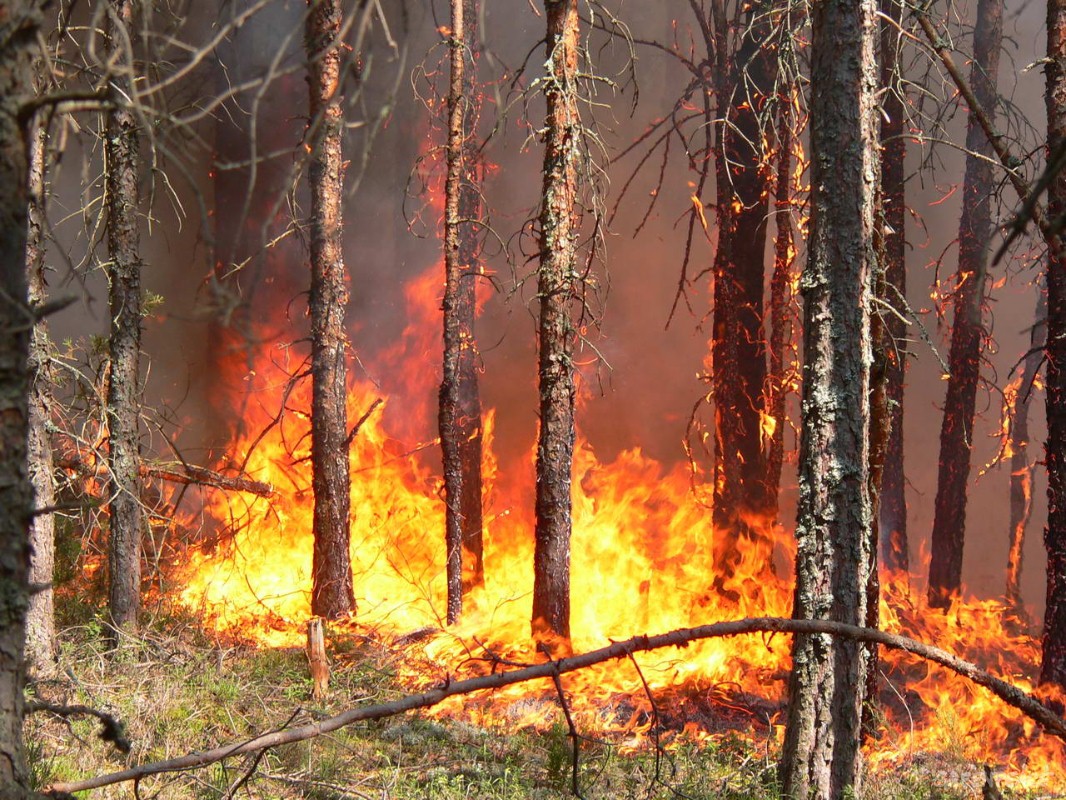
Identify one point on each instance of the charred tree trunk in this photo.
(124, 343)
(738, 351)
(1053, 664)
(781, 310)
(460, 401)
(1021, 468)
(892, 516)
(40, 616)
(20, 20)
(821, 757)
(967, 332)
(331, 593)
(557, 273)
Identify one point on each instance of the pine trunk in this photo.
(1053, 664)
(821, 756)
(738, 377)
(892, 516)
(1021, 468)
(967, 332)
(559, 226)
(331, 592)
(124, 277)
(16, 493)
(460, 401)
(40, 616)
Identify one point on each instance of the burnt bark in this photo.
(19, 21)
(556, 286)
(892, 512)
(460, 400)
(332, 595)
(821, 756)
(738, 350)
(1053, 663)
(125, 516)
(40, 616)
(1021, 468)
(967, 331)
(781, 311)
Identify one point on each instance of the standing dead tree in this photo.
(967, 331)
(331, 593)
(459, 419)
(124, 342)
(821, 757)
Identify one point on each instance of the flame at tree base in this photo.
(640, 564)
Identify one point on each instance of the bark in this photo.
(19, 21)
(1021, 468)
(557, 274)
(460, 401)
(967, 332)
(1006, 692)
(331, 593)
(124, 343)
(781, 311)
(893, 505)
(738, 377)
(821, 756)
(40, 616)
(1053, 663)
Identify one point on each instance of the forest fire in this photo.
(641, 564)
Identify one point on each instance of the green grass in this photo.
(177, 693)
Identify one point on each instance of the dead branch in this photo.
(187, 474)
(1008, 693)
(111, 729)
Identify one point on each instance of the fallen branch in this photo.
(1007, 692)
(187, 474)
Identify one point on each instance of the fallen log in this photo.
(188, 474)
(1007, 692)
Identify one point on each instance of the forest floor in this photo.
(178, 692)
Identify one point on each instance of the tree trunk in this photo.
(40, 616)
(738, 351)
(781, 310)
(892, 515)
(460, 401)
(331, 593)
(124, 277)
(1053, 664)
(821, 757)
(16, 494)
(559, 225)
(967, 332)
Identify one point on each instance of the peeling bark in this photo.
(332, 595)
(821, 757)
(556, 279)
(967, 331)
(124, 342)
(460, 401)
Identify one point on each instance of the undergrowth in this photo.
(178, 692)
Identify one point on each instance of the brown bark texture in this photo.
(782, 310)
(821, 757)
(1053, 662)
(40, 616)
(19, 21)
(460, 400)
(332, 594)
(967, 331)
(125, 515)
(556, 286)
(1021, 467)
(738, 350)
(892, 516)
